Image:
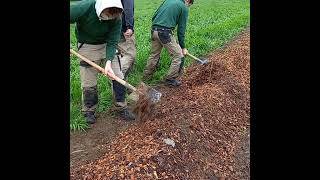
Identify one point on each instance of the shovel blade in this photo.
(202, 61)
(153, 94)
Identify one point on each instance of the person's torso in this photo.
(168, 14)
(90, 29)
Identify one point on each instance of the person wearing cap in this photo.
(98, 28)
(170, 14)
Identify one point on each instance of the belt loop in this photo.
(162, 29)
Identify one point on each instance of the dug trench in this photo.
(207, 117)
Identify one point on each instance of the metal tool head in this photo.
(146, 99)
(152, 94)
(202, 61)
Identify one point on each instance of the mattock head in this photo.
(202, 61)
(154, 95)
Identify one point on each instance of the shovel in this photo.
(144, 97)
(199, 61)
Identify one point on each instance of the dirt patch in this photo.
(207, 118)
(242, 159)
(90, 145)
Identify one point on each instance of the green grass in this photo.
(210, 25)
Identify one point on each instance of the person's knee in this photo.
(84, 64)
(88, 76)
(90, 96)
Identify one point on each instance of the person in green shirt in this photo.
(170, 14)
(98, 28)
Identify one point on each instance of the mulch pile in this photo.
(206, 117)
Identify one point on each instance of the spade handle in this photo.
(121, 81)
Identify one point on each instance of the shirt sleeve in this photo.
(113, 39)
(182, 25)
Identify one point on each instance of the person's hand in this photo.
(109, 70)
(184, 51)
(128, 33)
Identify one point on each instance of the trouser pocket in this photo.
(164, 37)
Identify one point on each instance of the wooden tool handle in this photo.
(193, 57)
(121, 81)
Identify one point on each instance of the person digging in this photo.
(98, 28)
(170, 14)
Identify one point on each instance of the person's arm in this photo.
(128, 10)
(77, 10)
(112, 42)
(113, 39)
(182, 25)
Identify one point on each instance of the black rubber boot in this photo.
(90, 101)
(173, 82)
(127, 115)
(90, 117)
(120, 91)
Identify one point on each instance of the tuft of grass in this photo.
(211, 24)
(77, 122)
